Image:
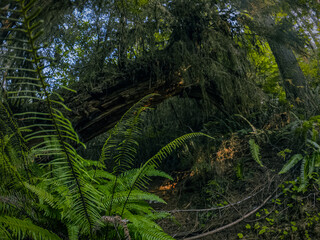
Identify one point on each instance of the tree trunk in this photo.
(294, 81)
(95, 113)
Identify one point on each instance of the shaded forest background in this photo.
(243, 72)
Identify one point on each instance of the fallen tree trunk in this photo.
(96, 113)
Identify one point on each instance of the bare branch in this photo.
(215, 208)
(233, 223)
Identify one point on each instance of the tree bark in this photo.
(294, 81)
(96, 113)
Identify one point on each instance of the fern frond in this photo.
(139, 180)
(158, 215)
(317, 159)
(127, 177)
(151, 234)
(73, 232)
(13, 152)
(304, 174)
(101, 175)
(158, 173)
(255, 151)
(127, 149)
(4, 233)
(57, 135)
(19, 229)
(8, 169)
(140, 208)
(42, 194)
(291, 163)
(170, 147)
(136, 196)
(111, 143)
(313, 144)
(144, 228)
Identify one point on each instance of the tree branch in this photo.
(233, 223)
(215, 208)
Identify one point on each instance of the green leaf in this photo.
(255, 151)
(262, 231)
(304, 174)
(291, 163)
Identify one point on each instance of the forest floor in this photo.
(226, 207)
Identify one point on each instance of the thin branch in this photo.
(233, 223)
(215, 208)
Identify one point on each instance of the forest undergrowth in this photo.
(243, 196)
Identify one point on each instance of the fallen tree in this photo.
(96, 112)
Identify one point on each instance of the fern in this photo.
(308, 165)
(255, 152)
(125, 192)
(152, 231)
(304, 174)
(131, 124)
(13, 155)
(309, 133)
(66, 166)
(84, 209)
(15, 228)
(311, 165)
(43, 195)
(140, 179)
(291, 163)
(127, 149)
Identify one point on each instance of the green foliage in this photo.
(291, 163)
(22, 229)
(266, 68)
(308, 130)
(48, 191)
(240, 235)
(255, 151)
(239, 170)
(291, 214)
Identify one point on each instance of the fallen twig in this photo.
(215, 208)
(233, 223)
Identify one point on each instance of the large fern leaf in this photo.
(15, 228)
(140, 179)
(54, 132)
(255, 151)
(127, 126)
(291, 163)
(304, 174)
(13, 153)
